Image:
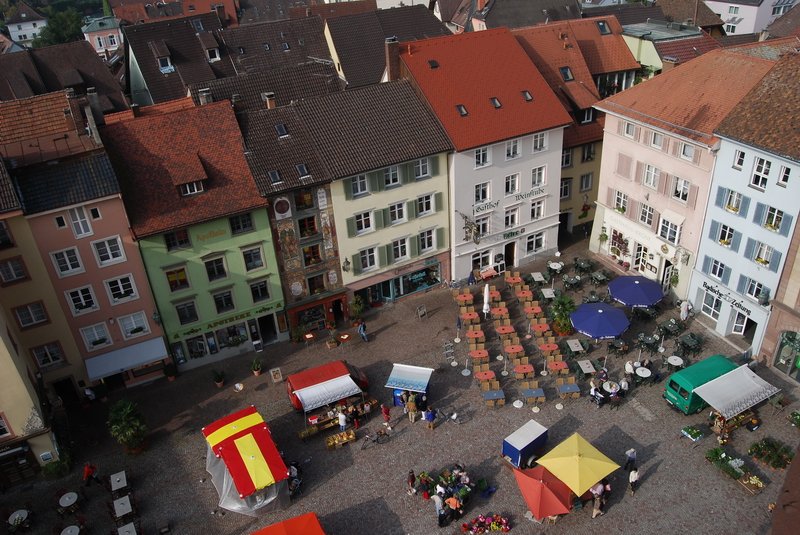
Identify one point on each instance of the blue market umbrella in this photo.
(599, 321)
(635, 291)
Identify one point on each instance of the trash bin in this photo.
(398, 402)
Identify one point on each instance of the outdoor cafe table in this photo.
(523, 369)
(68, 499)
(583, 265)
(122, 506)
(71, 530)
(540, 327)
(571, 281)
(513, 349)
(469, 316)
(537, 276)
(675, 361)
(505, 329)
(535, 310)
(610, 386)
(548, 293)
(485, 376)
(494, 295)
(690, 342)
(671, 326)
(464, 299)
(118, 481)
(525, 294)
(643, 372)
(499, 312)
(598, 277)
(127, 529)
(494, 395)
(548, 347)
(568, 389)
(479, 354)
(555, 266)
(586, 366)
(488, 273)
(557, 366)
(575, 345)
(514, 280)
(344, 337)
(17, 517)
(474, 334)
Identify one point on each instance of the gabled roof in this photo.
(137, 11)
(334, 9)
(737, 39)
(24, 13)
(461, 15)
(252, 11)
(359, 40)
(100, 24)
(8, 195)
(178, 38)
(448, 8)
(307, 80)
(42, 128)
(603, 53)
(147, 111)
(53, 68)
(768, 117)
(8, 46)
(521, 13)
(151, 155)
(685, 10)
(270, 45)
(341, 134)
(686, 100)
(74, 180)
(682, 50)
(787, 24)
(772, 49)
(470, 69)
(626, 13)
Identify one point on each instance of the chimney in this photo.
(308, 12)
(220, 11)
(235, 98)
(392, 58)
(204, 96)
(479, 5)
(269, 99)
(94, 102)
(135, 110)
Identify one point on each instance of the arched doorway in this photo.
(787, 358)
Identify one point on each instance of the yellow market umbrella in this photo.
(577, 463)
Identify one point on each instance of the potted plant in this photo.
(126, 425)
(562, 307)
(333, 340)
(603, 237)
(357, 307)
(171, 371)
(626, 265)
(255, 367)
(219, 377)
(674, 280)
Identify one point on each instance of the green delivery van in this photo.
(679, 391)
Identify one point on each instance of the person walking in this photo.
(362, 330)
(90, 473)
(342, 421)
(455, 505)
(387, 415)
(430, 417)
(630, 459)
(438, 503)
(410, 481)
(633, 480)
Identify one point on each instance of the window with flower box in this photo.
(82, 300)
(763, 254)
(109, 251)
(95, 336)
(733, 202)
(725, 235)
(133, 325)
(773, 219)
(312, 255)
(307, 226)
(121, 289)
(620, 202)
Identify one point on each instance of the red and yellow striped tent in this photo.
(244, 443)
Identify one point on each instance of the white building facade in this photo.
(749, 16)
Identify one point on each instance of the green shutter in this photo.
(406, 172)
(438, 201)
(389, 253)
(356, 264)
(413, 246)
(434, 163)
(411, 208)
(440, 239)
(386, 217)
(347, 184)
(374, 183)
(380, 222)
(351, 227)
(381, 256)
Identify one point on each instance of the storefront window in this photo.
(197, 347)
(232, 336)
(788, 357)
(313, 318)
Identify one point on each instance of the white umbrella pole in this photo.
(639, 360)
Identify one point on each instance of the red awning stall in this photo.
(245, 465)
(307, 524)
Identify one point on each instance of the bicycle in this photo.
(452, 284)
(380, 437)
(452, 417)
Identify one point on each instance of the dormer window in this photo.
(241, 50)
(302, 170)
(198, 25)
(527, 95)
(275, 177)
(433, 63)
(266, 47)
(285, 46)
(191, 188)
(281, 130)
(213, 55)
(566, 74)
(462, 110)
(496, 102)
(603, 27)
(165, 65)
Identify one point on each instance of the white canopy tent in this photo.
(318, 395)
(406, 377)
(736, 391)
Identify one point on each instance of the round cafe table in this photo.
(474, 334)
(557, 365)
(499, 311)
(485, 376)
(675, 360)
(18, 516)
(68, 499)
(505, 329)
(548, 347)
(479, 354)
(523, 368)
(513, 349)
(525, 294)
(643, 372)
(71, 530)
(608, 386)
(540, 327)
(464, 299)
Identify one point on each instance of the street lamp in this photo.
(471, 229)
(346, 265)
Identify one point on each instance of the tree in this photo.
(62, 27)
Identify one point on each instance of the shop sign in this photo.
(322, 199)
(535, 192)
(237, 317)
(211, 234)
(478, 208)
(433, 261)
(513, 233)
(737, 304)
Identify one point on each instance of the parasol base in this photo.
(453, 363)
(456, 340)
(535, 409)
(504, 373)
(559, 406)
(518, 404)
(466, 372)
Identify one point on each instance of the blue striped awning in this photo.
(413, 378)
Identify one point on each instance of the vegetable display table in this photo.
(339, 439)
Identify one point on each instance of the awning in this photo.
(307, 524)
(316, 396)
(126, 358)
(673, 217)
(413, 378)
(736, 391)
(526, 434)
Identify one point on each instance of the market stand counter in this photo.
(325, 420)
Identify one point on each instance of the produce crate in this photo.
(339, 439)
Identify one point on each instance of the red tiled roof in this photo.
(552, 47)
(156, 109)
(603, 53)
(152, 154)
(787, 24)
(333, 10)
(687, 100)
(133, 11)
(581, 134)
(470, 70)
(683, 50)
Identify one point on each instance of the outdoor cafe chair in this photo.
(495, 384)
(484, 386)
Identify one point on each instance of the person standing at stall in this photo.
(387, 415)
(438, 504)
(342, 421)
(362, 330)
(411, 481)
(411, 405)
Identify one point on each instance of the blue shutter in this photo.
(726, 275)
(744, 207)
(749, 247)
(713, 233)
(721, 194)
(741, 286)
(706, 264)
(737, 238)
(775, 261)
(786, 224)
(758, 215)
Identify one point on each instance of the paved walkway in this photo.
(359, 492)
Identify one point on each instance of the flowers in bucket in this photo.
(486, 524)
(755, 481)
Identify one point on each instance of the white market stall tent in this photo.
(736, 391)
(331, 391)
(407, 377)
